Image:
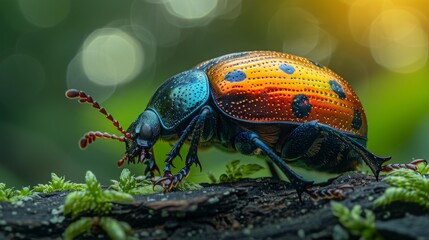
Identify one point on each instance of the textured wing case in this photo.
(179, 97)
(278, 87)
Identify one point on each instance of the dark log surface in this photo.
(248, 209)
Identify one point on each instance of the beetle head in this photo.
(139, 138)
(144, 132)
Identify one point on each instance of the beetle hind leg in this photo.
(248, 142)
(330, 193)
(412, 165)
(327, 149)
(168, 180)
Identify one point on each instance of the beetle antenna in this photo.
(85, 98)
(90, 137)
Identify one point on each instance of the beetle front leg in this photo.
(248, 142)
(168, 180)
(175, 151)
(151, 166)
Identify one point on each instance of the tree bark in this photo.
(264, 208)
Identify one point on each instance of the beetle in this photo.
(288, 108)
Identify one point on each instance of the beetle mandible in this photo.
(289, 108)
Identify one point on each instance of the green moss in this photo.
(58, 184)
(115, 229)
(133, 185)
(354, 222)
(25, 193)
(407, 186)
(6, 193)
(77, 228)
(187, 186)
(93, 198)
(140, 185)
(12, 195)
(234, 171)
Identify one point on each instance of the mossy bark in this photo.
(251, 208)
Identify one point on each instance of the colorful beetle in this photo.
(289, 108)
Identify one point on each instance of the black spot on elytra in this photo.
(289, 69)
(235, 76)
(337, 88)
(301, 106)
(357, 120)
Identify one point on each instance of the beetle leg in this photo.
(151, 166)
(308, 138)
(175, 151)
(373, 161)
(192, 157)
(273, 170)
(329, 193)
(412, 165)
(248, 142)
(168, 180)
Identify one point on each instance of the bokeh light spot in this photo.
(44, 13)
(300, 39)
(77, 79)
(153, 17)
(361, 15)
(110, 56)
(191, 9)
(304, 39)
(398, 41)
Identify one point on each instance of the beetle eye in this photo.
(146, 132)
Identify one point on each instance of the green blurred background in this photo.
(120, 51)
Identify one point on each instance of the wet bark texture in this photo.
(253, 208)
